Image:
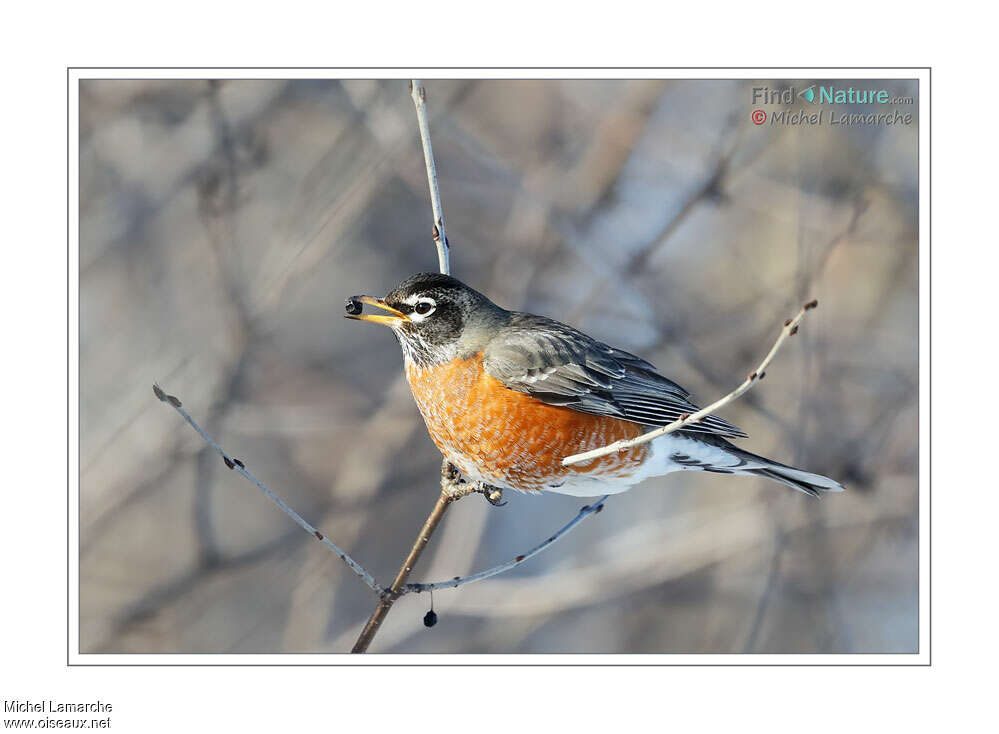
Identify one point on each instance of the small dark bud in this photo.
(787, 323)
(158, 392)
(319, 535)
(430, 618)
(794, 331)
(684, 417)
(518, 559)
(239, 463)
(436, 233)
(353, 307)
(173, 401)
(811, 304)
(227, 462)
(762, 375)
(600, 508)
(752, 377)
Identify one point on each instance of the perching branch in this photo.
(448, 495)
(393, 592)
(419, 95)
(790, 328)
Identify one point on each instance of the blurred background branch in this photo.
(307, 191)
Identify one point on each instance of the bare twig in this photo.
(393, 592)
(790, 328)
(457, 581)
(419, 94)
(238, 466)
(449, 491)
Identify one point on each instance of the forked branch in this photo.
(452, 489)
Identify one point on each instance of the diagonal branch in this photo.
(387, 599)
(457, 581)
(790, 328)
(238, 465)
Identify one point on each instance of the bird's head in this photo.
(435, 317)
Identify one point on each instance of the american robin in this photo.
(507, 395)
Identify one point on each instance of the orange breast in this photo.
(508, 438)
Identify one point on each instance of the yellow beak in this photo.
(352, 305)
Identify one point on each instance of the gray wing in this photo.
(557, 364)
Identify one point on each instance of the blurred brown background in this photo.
(222, 225)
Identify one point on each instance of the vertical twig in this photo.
(386, 601)
(419, 94)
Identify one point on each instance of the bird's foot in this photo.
(457, 486)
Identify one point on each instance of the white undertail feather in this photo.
(679, 452)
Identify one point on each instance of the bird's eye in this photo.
(424, 307)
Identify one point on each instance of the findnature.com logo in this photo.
(822, 94)
(829, 94)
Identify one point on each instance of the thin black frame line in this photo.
(471, 78)
(494, 665)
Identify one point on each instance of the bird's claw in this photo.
(493, 495)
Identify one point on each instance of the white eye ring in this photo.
(423, 308)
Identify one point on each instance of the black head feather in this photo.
(450, 327)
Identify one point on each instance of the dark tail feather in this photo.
(811, 484)
(813, 488)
